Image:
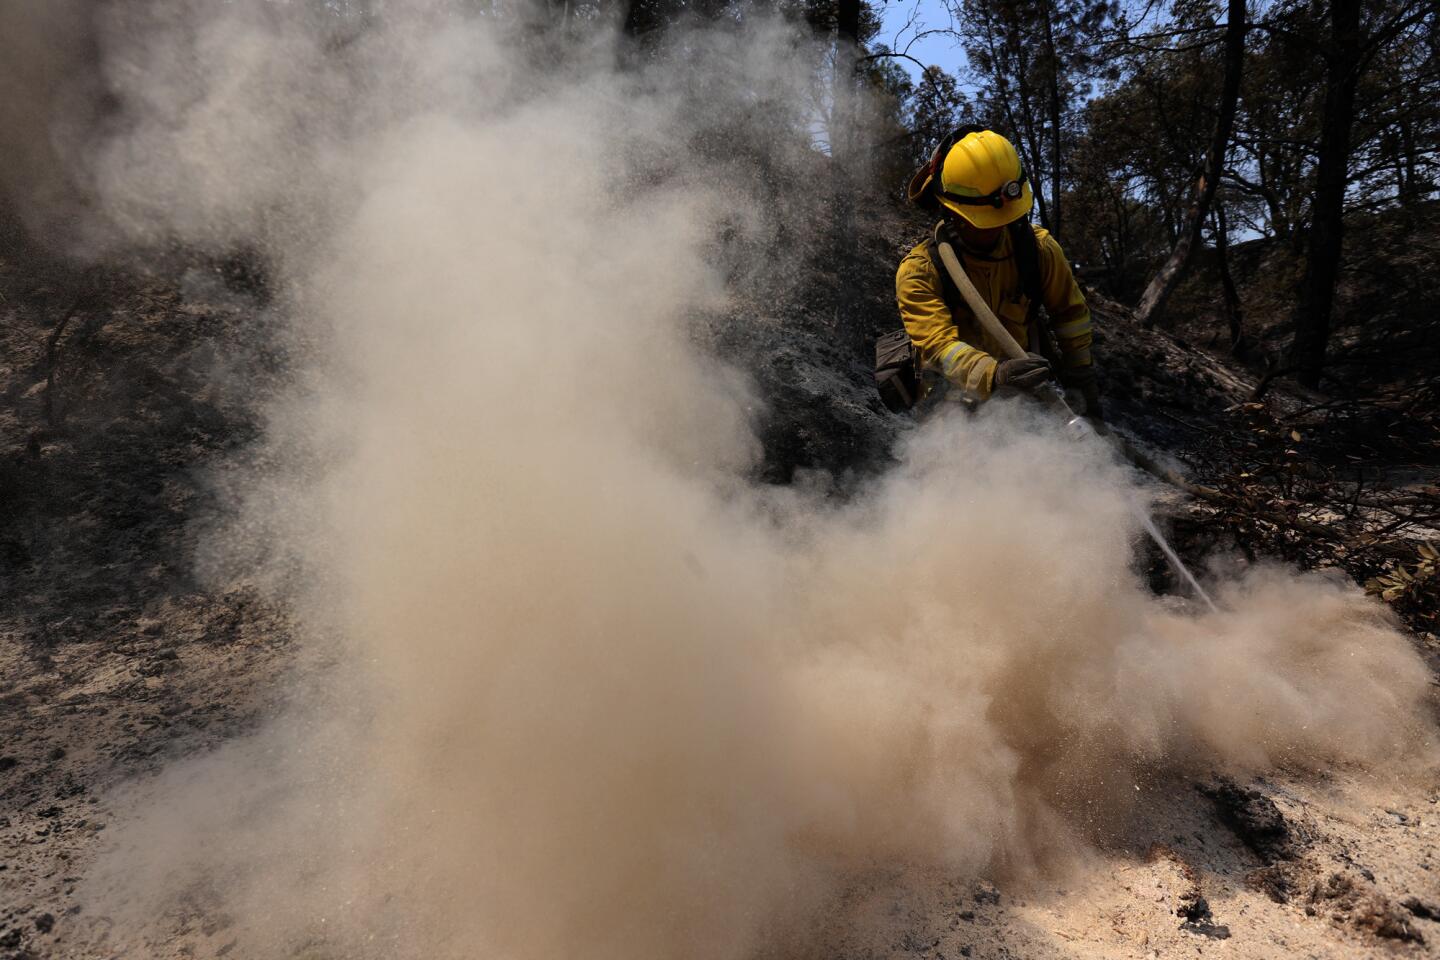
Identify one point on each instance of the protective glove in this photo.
(1026, 374)
(1083, 380)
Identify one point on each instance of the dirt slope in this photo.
(116, 657)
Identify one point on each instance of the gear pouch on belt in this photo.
(897, 371)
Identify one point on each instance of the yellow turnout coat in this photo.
(950, 339)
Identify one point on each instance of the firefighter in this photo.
(976, 183)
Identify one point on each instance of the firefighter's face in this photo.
(974, 237)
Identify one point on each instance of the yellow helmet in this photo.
(982, 180)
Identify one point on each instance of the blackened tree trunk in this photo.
(1327, 226)
(845, 158)
(1053, 66)
(1233, 316)
(847, 21)
(1407, 149)
(1002, 67)
(1173, 270)
(640, 18)
(1028, 135)
(847, 52)
(1279, 220)
(842, 107)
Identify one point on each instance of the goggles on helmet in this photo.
(996, 198)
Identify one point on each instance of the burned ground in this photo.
(128, 387)
(116, 656)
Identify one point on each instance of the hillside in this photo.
(132, 393)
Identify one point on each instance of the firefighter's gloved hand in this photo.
(1083, 380)
(1026, 374)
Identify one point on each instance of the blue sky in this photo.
(904, 19)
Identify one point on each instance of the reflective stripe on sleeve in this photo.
(950, 358)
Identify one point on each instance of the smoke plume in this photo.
(598, 694)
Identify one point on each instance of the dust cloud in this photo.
(596, 693)
(47, 98)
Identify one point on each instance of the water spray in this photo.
(1053, 396)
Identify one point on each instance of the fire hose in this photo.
(1051, 394)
